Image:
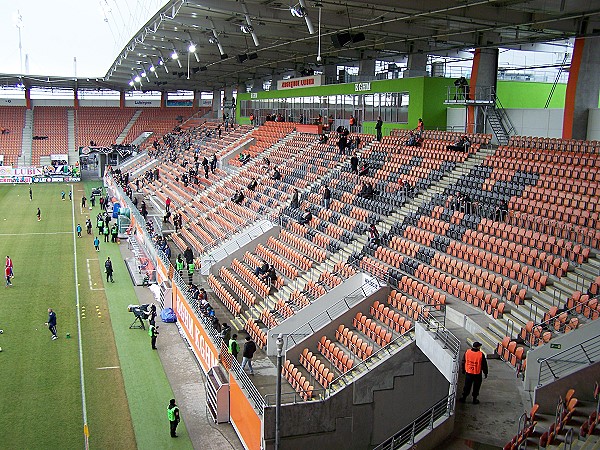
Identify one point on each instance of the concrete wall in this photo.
(566, 341)
(437, 354)
(237, 246)
(456, 119)
(104, 103)
(582, 381)
(536, 122)
(373, 408)
(329, 327)
(53, 102)
(315, 313)
(236, 151)
(593, 130)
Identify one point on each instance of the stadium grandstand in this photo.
(364, 192)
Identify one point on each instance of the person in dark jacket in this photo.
(378, 126)
(108, 268)
(52, 323)
(248, 353)
(326, 197)
(354, 164)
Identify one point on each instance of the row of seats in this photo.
(297, 380)
(241, 291)
(224, 295)
(316, 368)
(256, 333)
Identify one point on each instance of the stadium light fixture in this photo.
(137, 79)
(174, 55)
(299, 10)
(192, 48)
(248, 28)
(143, 74)
(131, 83)
(215, 40)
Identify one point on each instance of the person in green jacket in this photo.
(179, 265)
(233, 347)
(106, 232)
(191, 270)
(173, 416)
(114, 231)
(153, 333)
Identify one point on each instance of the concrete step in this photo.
(595, 263)
(488, 346)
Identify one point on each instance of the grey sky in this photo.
(55, 31)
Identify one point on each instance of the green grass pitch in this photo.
(125, 385)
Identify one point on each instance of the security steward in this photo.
(473, 365)
(153, 333)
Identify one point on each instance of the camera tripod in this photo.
(137, 325)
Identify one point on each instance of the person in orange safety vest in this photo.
(473, 365)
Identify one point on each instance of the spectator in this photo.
(253, 184)
(420, 128)
(168, 204)
(364, 170)
(276, 174)
(213, 163)
(462, 145)
(262, 269)
(352, 123)
(295, 203)
(248, 353)
(305, 218)
(373, 234)
(326, 197)
(378, 126)
(501, 211)
(225, 333)
(354, 164)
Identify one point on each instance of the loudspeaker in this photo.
(340, 39)
(203, 68)
(252, 55)
(241, 58)
(195, 69)
(358, 37)
(224, 56)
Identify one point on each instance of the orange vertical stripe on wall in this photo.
(569, 110)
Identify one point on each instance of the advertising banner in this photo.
(203, 347)
(46, 174)
(302, 82)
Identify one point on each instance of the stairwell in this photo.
(27, 142)
(73, 150)
(123, 134)
(495, 120)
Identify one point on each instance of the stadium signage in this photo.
(361, 87)
(204, 349)
(302, 82)
(142, 103)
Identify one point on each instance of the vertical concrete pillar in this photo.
(417, 65)
(163, 99)
(122, 99)
(583, 87)
(75, 99)
(274, 79)
(484, 76)
(366, 69)
(216, 102)
(28, 98)
(195, 101)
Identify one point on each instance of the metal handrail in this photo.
(424, 422)
(564, 362)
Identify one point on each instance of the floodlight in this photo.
(152, 69)
(143, 74)
(130, 82)
(192, 48)
(137, 79)
(174, 55)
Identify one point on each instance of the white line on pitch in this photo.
(33, 234)
(92, 288)
(78, 309)
(109, 367)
